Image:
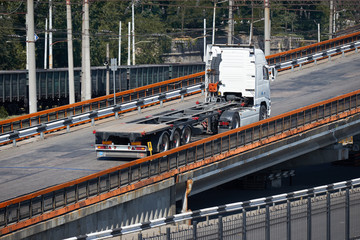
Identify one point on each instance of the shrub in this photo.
(3, 112)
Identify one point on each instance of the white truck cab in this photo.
(239, 73)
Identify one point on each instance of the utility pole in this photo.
(46, 42)
(31, 56)
(27, 43)
(204, 40)
(114, 68)
(267, 27)
(331, 15)
(82, 76)
(107, 70)
(231, 23)
(86, 71)
(133, 32)
(129, 45)
(50, 36)
(119, 55)
(318, 25)
(251, 23)
(213, 28)
(334, 20)
(70, 53)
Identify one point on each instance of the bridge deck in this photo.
(62, 157)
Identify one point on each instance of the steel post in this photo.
(267, 222)
(244, 224)
(194, 230)
(308, 218)
(288, 220)
(328, 215)
(168, 237)
(347, 214)
(220, 221)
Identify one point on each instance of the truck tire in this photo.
(164, 142)
(263, 113)
(235, 122)
(175, 139)
(186, 135)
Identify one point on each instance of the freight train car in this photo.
(52, 84)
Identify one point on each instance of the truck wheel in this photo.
(263, 113)
(164, 142)
(175, 142)
(186, 135)
(235, 122)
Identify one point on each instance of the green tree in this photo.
(12, 38)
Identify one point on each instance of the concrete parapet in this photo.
(137, 206)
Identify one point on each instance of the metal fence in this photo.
(325, 212)
(52, 201)
(333, 213)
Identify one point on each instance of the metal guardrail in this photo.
(312, 49)
(91, 116)
(60, 199)
(317, 56)
(81, 112)
(275, 212)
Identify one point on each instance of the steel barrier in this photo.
(312, 49)
(298, 62)
(60, 199)
(98, 114)
(34, 119)
(274, 217)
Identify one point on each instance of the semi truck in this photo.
(237, 93)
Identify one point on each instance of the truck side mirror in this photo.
(273, 73)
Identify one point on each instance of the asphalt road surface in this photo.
(36, 164)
